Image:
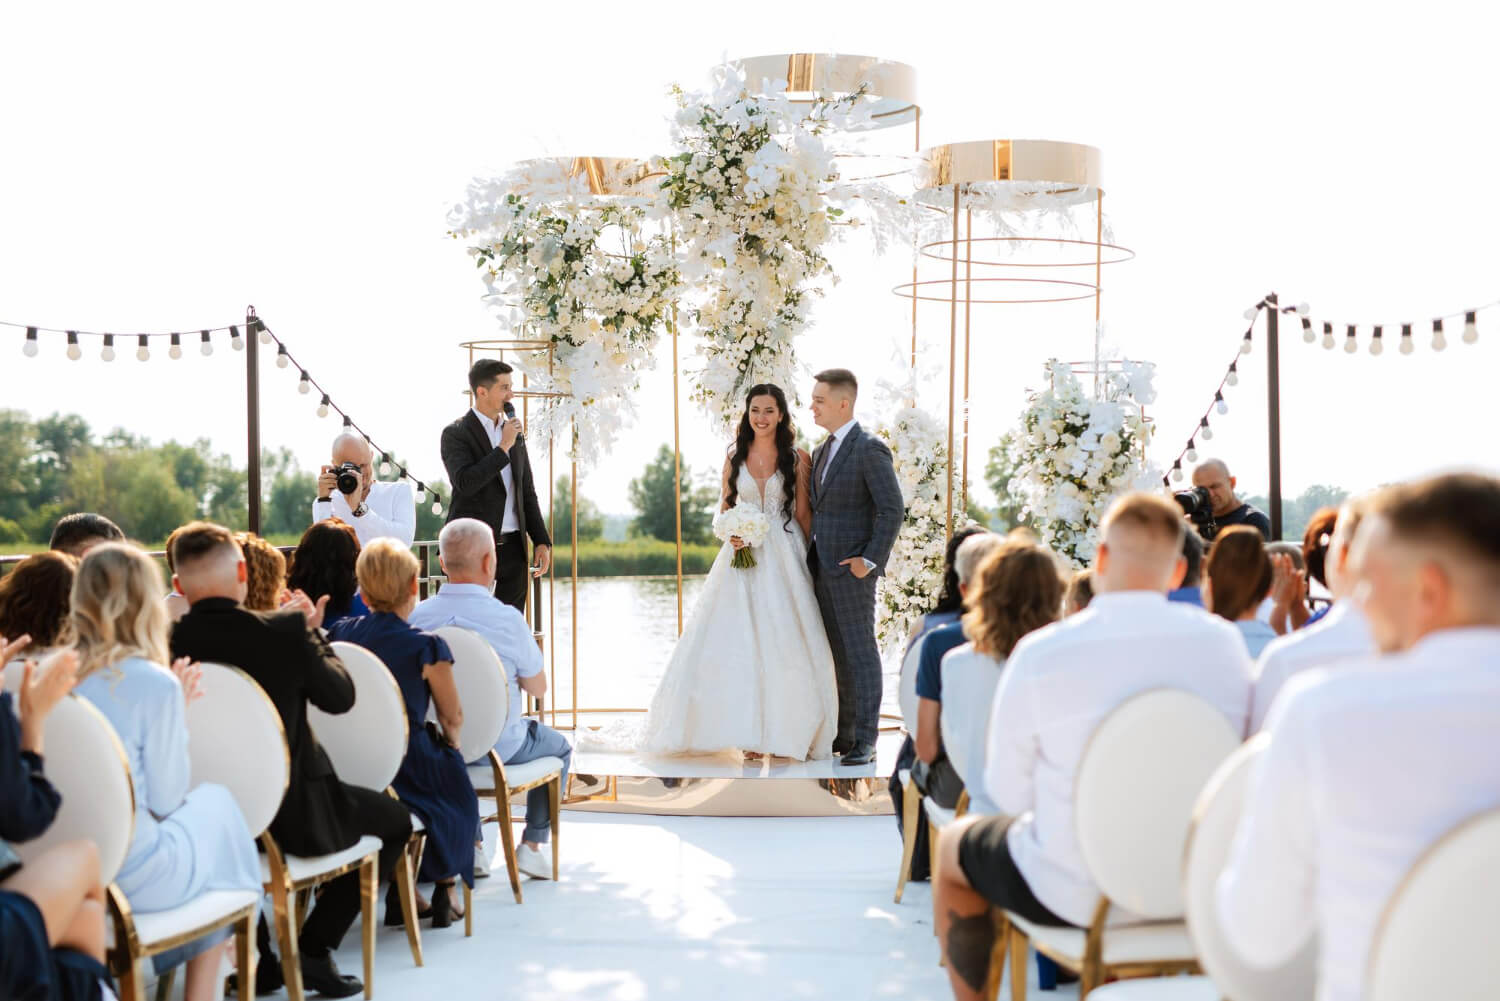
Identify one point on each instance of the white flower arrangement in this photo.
(749, 524)
(746, 190)
(584, 276)
(1075, 454)
(914, 573)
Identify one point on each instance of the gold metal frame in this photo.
(599, 176)
(911, 803)
(503, 791)
(891, 86)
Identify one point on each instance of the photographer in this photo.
(1212, 505)
(347, 490)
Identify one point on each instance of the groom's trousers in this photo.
(848, 606)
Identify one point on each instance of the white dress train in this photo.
(753, 670)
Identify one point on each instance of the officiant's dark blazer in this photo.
(295, 666)
(857, 509)
(474, 467)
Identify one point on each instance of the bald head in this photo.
(466, 550)
(208, 563)
(350, 447)
(1140, 546)
(1213, 475)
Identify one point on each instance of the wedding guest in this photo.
(1016, 589)
(1285, 608)
(1343, 634)
(177, 605)
(1372, 762)
(1213, 475)
(1315, 544)
(76, 534)
(1059, 683)
(1237, 578)
(933, 774)
(433, 780)
(1190, 591)
(265, 573)
(187, 841)
(34, 599)
(291, 661)
(466, 550)
(323, 565)
(1080, 592)
(51, 908)
(374, 509)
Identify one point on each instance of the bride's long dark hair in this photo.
(786, 449)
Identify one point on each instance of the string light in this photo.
(74, 351)
(1328, 336)
(208, 345)
(108, 352)
(282, 359)
(304, 384)
(175, 351)
(235, 340)
(1233, 378)
(1471, 328)
(323, 407)
(1303, 309)
(1191, 454)
(1351, 345)
(1247, 343)
(143, 348)
(437, 507)
(1177, 471)
(1204, 431)
(1375, 343)
(1407, 344)
(385, 464)
(1438, 340)
(265, 332)
(1308, 335)
(1252, 312)
(30, 348)
(1220, 404)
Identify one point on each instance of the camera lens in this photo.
(348, 475)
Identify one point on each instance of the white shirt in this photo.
(1342, 634)
(1059, 683)
(836, 438)
(510, 523)
(389, 513)
(969, 682)
(473, 606)
(1368, 765)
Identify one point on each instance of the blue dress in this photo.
(433, 781)
(186, 842)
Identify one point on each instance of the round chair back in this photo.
(235, 738)
(367, 743)
(483, 690)
(1215, 819)
(1140, 775)
(908, 690)
(1436, 937)
(87, 764)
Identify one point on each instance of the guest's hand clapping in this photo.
(190, 675)
(10, 648)
(299, 601)
(1288, 593)
(42, 688)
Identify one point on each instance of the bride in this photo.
(753, 670)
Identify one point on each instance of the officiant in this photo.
(485, 454)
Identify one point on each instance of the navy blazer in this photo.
(28, 802)
(857, 508)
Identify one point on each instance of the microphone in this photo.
(510, 415)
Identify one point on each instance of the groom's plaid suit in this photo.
(857, 511)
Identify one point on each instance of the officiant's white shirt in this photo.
(390, 513)
(1342, 634)
(1369, 764)
(511, 523)
(1058, 685)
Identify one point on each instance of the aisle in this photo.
(687, 908)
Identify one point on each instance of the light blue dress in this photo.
(1257, 634)
(186, 842)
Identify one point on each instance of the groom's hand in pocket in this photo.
(857, 567)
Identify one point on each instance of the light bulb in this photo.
(1376, 347)
(175, 351)
(1245, 345)
(265, 335)
(421, 497)
(1350, 345)
(437, 507)
(304, 384)
(323, 407)
(385, 465)
(1232, 379)
(1438, 340)
(282, 361)
(1328, 339)
(1207, 434)
(1407, 347)
(237, 342)
(207, 349)
(1308, 336)
(1191, 454)
(143, 353)
(1177, 474)
(108, 352)
(74, 352)
(29, 349)
(1222, 407)
(1303, 309)
(1471, 329)
(1250, 314)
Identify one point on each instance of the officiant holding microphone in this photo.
(485, 455)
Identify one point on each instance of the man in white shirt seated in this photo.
(1059, 683)
(1342, 634)
(1372, 762)
(376, 510)
(466, 549)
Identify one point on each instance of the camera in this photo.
(1199, 508)
(348, 477)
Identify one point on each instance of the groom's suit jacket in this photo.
(857, 508)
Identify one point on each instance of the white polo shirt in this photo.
(1342, 634)
(390, 513)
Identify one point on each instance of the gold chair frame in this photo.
(502, 815)
(911, 802)
(127, 951)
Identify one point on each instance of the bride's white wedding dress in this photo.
(752, 670)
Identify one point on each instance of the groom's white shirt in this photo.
(835, 439)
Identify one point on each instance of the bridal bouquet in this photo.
(747, 522)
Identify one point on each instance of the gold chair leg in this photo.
(508, 842)
(554, 800)
(910, 804)
(406, 890)
(369, 879)
(932, 853)
(164, 985)
(468, 910)
(1018, 944)
(286, 936)
(244, 955)
(304, 902)
(997, 956)
(132, 984)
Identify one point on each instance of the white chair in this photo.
(1436, 936)
(222, 726)
(1134, 793)
(485, 695)
(910, 798)
(1215, 819)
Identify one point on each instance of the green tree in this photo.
(1297, 511)
(287, 493)
(652, 496)
(18, 489)
(134, 488)
(590, 521)
(998, 472)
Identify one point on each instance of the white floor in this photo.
(688, 908)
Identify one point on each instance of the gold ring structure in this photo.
(891, 87)
(598, 176)
(1016, 172)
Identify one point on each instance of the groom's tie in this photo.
(823, 460)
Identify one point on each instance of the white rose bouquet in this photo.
(749, 524)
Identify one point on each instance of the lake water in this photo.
(627, 627)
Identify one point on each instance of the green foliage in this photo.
(429, 524)
(998, 472)
(1297, 511)
(652, 497)
(590, 521)
(635, 558)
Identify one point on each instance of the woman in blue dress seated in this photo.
(323, 564)
(433, 781)
(187, 842)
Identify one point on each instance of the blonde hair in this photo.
(386, 570)
(117, 608)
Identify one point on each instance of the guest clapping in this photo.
(1237, 579)
(433, 780)
(323, 566)
(186, 841)
(467, 552)
(34, 601)
(348, 490)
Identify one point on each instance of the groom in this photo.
(857, 511)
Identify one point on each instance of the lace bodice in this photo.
(750, 490)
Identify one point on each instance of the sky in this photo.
(163, 166)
